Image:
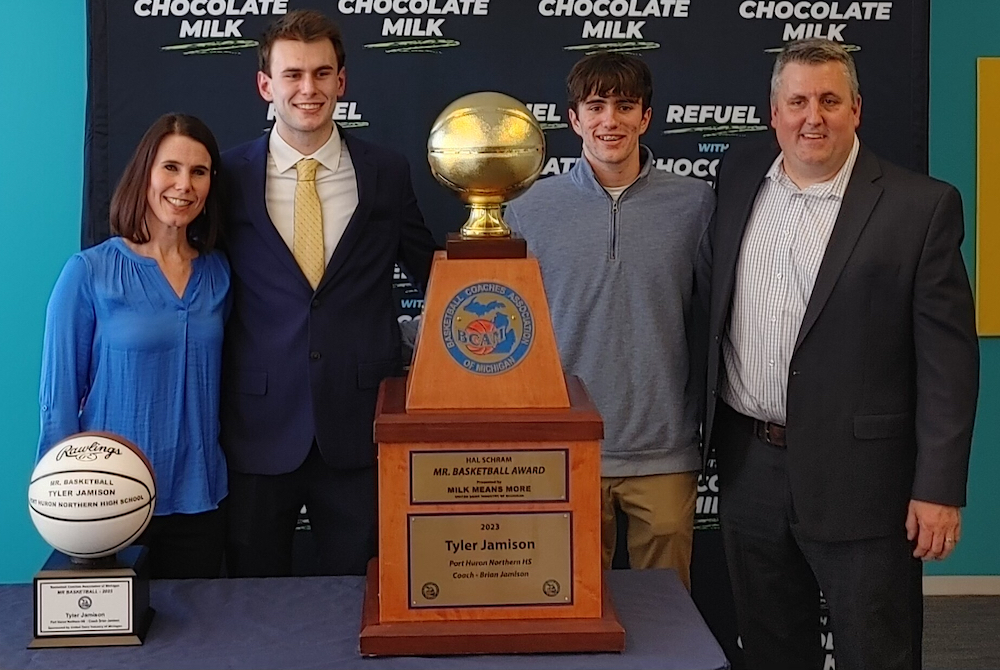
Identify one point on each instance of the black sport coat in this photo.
(884, 377)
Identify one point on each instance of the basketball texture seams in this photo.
(91, 495)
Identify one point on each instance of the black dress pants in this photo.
(264, 509)
(186, 546)
(873, 587)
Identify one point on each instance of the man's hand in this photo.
(936, 528)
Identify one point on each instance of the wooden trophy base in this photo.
(499, 636)
(488, 477)
(487, 295)
(465, 248)
(550, 511)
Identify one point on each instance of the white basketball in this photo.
(92, 495)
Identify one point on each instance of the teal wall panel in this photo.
(41, 176)
(961, 32)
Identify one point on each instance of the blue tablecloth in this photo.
(313, 622)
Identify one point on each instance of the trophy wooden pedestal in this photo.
(472, 636)
(489, 479)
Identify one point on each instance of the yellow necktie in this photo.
(307, 243)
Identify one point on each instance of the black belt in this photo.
(772, 433)
(765, 431)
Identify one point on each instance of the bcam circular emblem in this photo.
(487, 328)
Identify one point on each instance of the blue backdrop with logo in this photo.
(407, 59)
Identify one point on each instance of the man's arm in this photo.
(947, 379)
(698, 320)
(416, 244)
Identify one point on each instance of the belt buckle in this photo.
(767, 433)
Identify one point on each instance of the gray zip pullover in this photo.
(619, 279)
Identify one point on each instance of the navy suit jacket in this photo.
(883, 379)
(300, 364)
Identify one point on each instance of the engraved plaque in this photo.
(482, 560)
(97, 604)
(494, 476)
(84, 606)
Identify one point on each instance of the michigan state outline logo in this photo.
(487, 328)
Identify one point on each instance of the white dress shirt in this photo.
(336, 185)
(782, 249)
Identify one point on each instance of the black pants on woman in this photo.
(186, 546)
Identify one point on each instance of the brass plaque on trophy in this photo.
(537, 475)
(477, 560)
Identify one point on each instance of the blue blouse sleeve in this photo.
(227, 272)
(66, 351)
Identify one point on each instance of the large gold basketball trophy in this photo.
(488, 456)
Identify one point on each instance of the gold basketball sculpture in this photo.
(489, 148)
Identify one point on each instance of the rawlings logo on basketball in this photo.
(487, 328)
(88, 452)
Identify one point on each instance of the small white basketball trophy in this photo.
(90, 497)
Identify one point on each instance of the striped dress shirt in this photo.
(782, 249)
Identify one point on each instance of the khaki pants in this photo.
(660, 510)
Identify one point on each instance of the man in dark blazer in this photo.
(313, 330)
(843, 377)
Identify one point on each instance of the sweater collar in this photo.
(583, 175)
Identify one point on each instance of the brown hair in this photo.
(607, 72)
(303, 25)
(129, 203)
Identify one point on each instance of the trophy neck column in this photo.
(485, 221)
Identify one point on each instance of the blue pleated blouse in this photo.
(123, 353)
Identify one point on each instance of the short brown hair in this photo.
(303, 25)
(130, 202)
(608, 72)
(815, 51)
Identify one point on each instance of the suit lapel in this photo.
(366, 173)
(860, 199)
(254, 179)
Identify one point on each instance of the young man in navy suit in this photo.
(317, 219)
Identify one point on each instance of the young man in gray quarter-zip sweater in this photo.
(618, 245)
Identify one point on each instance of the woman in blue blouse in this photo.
(133, 340)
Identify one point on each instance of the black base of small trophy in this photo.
(96, 603)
